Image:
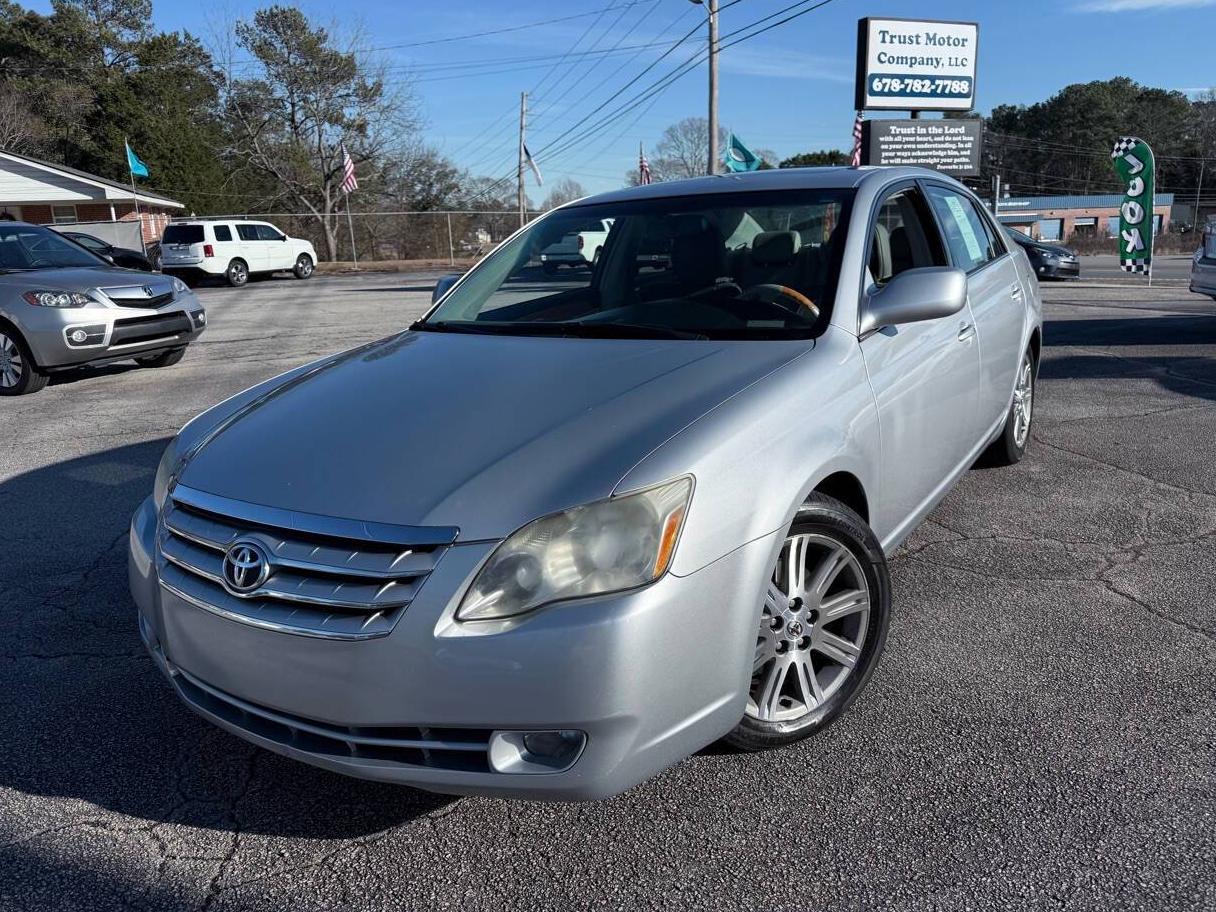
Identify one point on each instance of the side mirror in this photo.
(444, 283)
(920, 294)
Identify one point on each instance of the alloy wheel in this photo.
(1023, 402)
(238, 273)
(304, 266)
(812, 629)
(12, 366)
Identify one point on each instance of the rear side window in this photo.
(222, 233)
(248, 232)
(966, 231)
(269, 233)
(183, 234)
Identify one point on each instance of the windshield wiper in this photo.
(574, 329)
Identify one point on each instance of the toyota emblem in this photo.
(246, 567)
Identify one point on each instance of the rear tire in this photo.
(162, 359)
(822, 628)
(237, 273)
(304, 266)
(1010, 447)
(18, 372)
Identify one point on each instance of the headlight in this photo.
(178, 286)
(615, 544)
(43, 298)
(164, 471)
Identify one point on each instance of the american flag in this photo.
(856, 161)
(643, 167)
(349, 182)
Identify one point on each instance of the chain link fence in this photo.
(433, 238)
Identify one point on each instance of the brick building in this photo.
(1064, 218)
(48, 194)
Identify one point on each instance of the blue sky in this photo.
(789, 90)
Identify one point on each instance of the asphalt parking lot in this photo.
(1040, 734)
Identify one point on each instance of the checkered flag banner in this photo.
(1133, 161)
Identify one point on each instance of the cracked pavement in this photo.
(1041, 732)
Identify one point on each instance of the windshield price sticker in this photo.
(915, 65)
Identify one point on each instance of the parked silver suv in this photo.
(568, 529)
(62, 306)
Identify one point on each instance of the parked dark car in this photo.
(119, 256)
(1049, 261)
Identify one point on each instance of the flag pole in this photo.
(350, 223)
(139, 219)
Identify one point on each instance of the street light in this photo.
(711, 7)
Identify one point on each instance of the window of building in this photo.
(1112, 226)
(223, 233)
(1156, 225)
(63, 215)
(1050, 229)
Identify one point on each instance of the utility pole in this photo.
(1203, 163)
(713, 85)
(996, 196)
(523, 121)
(711, 7)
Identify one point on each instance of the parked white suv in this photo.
(232, 249)
(577, 248)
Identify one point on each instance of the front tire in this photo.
(304, 266)
(822, 628)
(18, 372)
(237, 273)
(1010, 447)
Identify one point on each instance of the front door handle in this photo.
(1015, 290)
(965, 332)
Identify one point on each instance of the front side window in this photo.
(971, 242)
(25, 247)
(903, 237)
(724, 266)
(269, 233)
(247, 232)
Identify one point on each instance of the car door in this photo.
(252, 249)
(994, 292)
(924, 375)
(277, 249)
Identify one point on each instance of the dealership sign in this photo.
(916, 65)
(949, 146)
(1134, 161)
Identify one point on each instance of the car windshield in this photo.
(716, 266)
(30, 247)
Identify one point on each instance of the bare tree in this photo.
(21, 130)
(566, 190)
(308, 102)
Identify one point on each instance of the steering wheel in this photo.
(783, 296)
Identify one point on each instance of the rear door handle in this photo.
(965, 332)
(1015, 290)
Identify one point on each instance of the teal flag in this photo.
(134, 165)
(1133, 160)
(739, 157)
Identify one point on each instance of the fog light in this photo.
(79, 336)
(535, 751)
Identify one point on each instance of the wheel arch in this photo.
(12, 329)
(1036, 345)
(848, 489)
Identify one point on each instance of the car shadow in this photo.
(84, 712)
(76, 374)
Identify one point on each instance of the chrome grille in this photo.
(328, 577)
(145, 296)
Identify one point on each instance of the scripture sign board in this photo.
(949, 146)
(916, 65)
(1134, 161)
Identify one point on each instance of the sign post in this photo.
(1133, 160)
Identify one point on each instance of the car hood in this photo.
(75, 278)
(1056, 249)
(481, 432)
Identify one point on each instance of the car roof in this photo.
(770, 179)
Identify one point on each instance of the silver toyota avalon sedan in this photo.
(568, 529)
(62, 306)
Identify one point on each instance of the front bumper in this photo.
(69, 337)
(1058, 269)
(1203, 278)
(649, 676)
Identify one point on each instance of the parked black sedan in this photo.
(1049, 261)
(119, 256)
